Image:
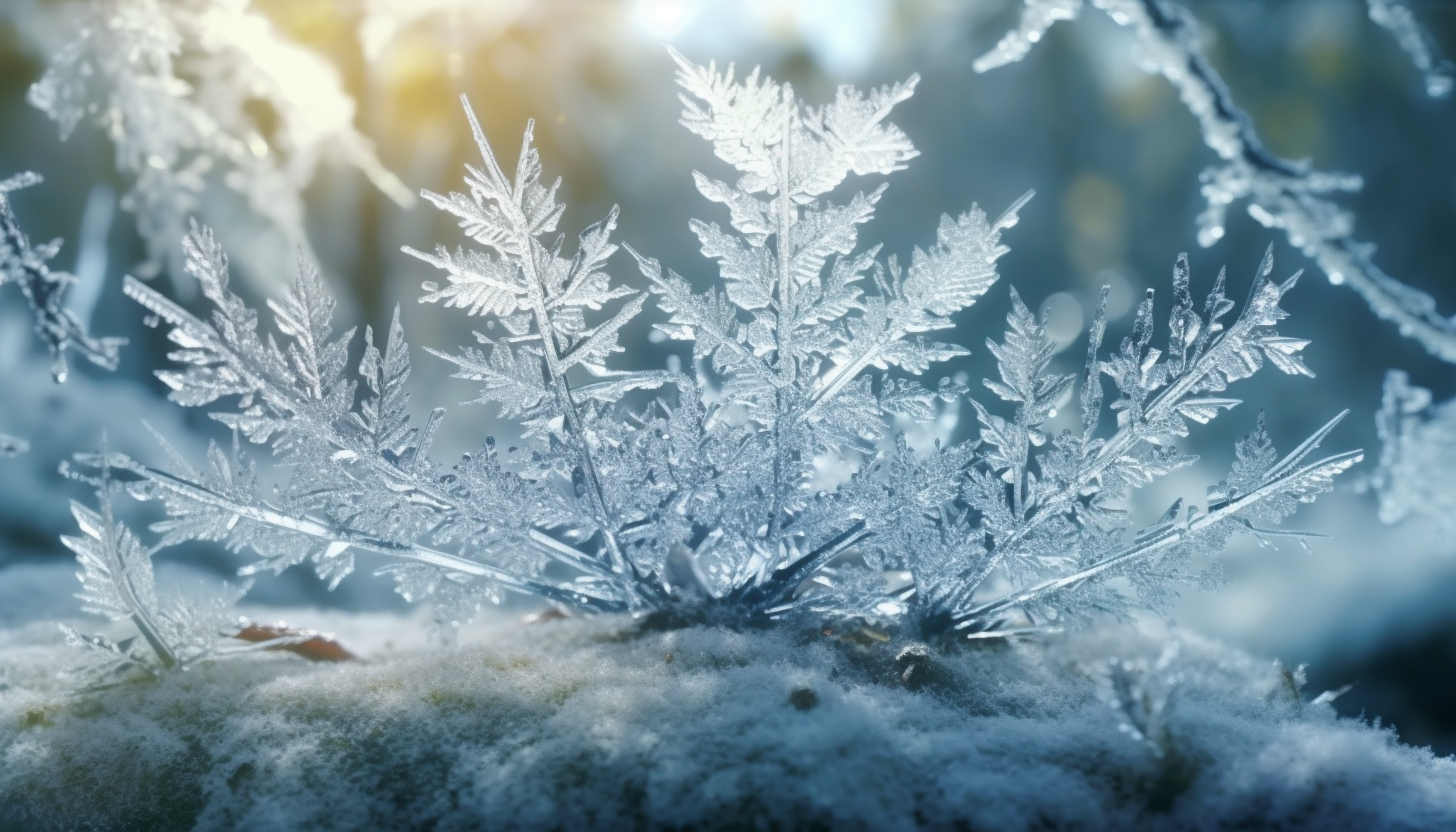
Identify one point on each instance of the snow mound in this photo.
(609, 724)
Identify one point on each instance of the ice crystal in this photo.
(117, 582)
(1044, 514)
(1279, 193)
(189, 91)
(1140, 691)
(663, 491)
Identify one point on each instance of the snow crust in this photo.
(611, 724)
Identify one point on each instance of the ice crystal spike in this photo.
(772, 481)
(45, 290)
(1278, 193)
(1046, 514)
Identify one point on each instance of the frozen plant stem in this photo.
(1280, 193)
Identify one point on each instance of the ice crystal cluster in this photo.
(771, 480)
(193, 91)
(1278, 193)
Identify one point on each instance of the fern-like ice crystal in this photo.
(768, 481)
(171, 631)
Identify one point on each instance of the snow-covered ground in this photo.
(607, 724)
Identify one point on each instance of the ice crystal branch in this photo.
(25, 265)
(173, 632)
(1045, 514)
(541, 299)
(704, 499)
(1280, 194)
(362, 480)
(176, 87)
(805, 313)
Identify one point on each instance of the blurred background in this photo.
(1113, 156)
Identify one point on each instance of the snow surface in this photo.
(608, 723)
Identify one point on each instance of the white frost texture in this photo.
(606, 724)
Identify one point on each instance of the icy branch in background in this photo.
(1397, 17)
(1280, 193)
(192, 92)
(1036, 18)
(25, 266)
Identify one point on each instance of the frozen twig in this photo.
(1397, 17)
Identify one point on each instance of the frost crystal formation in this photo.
(25, 266)
(172, 631)
(178, 88)
(767, 482)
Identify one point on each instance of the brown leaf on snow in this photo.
(317, 647)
